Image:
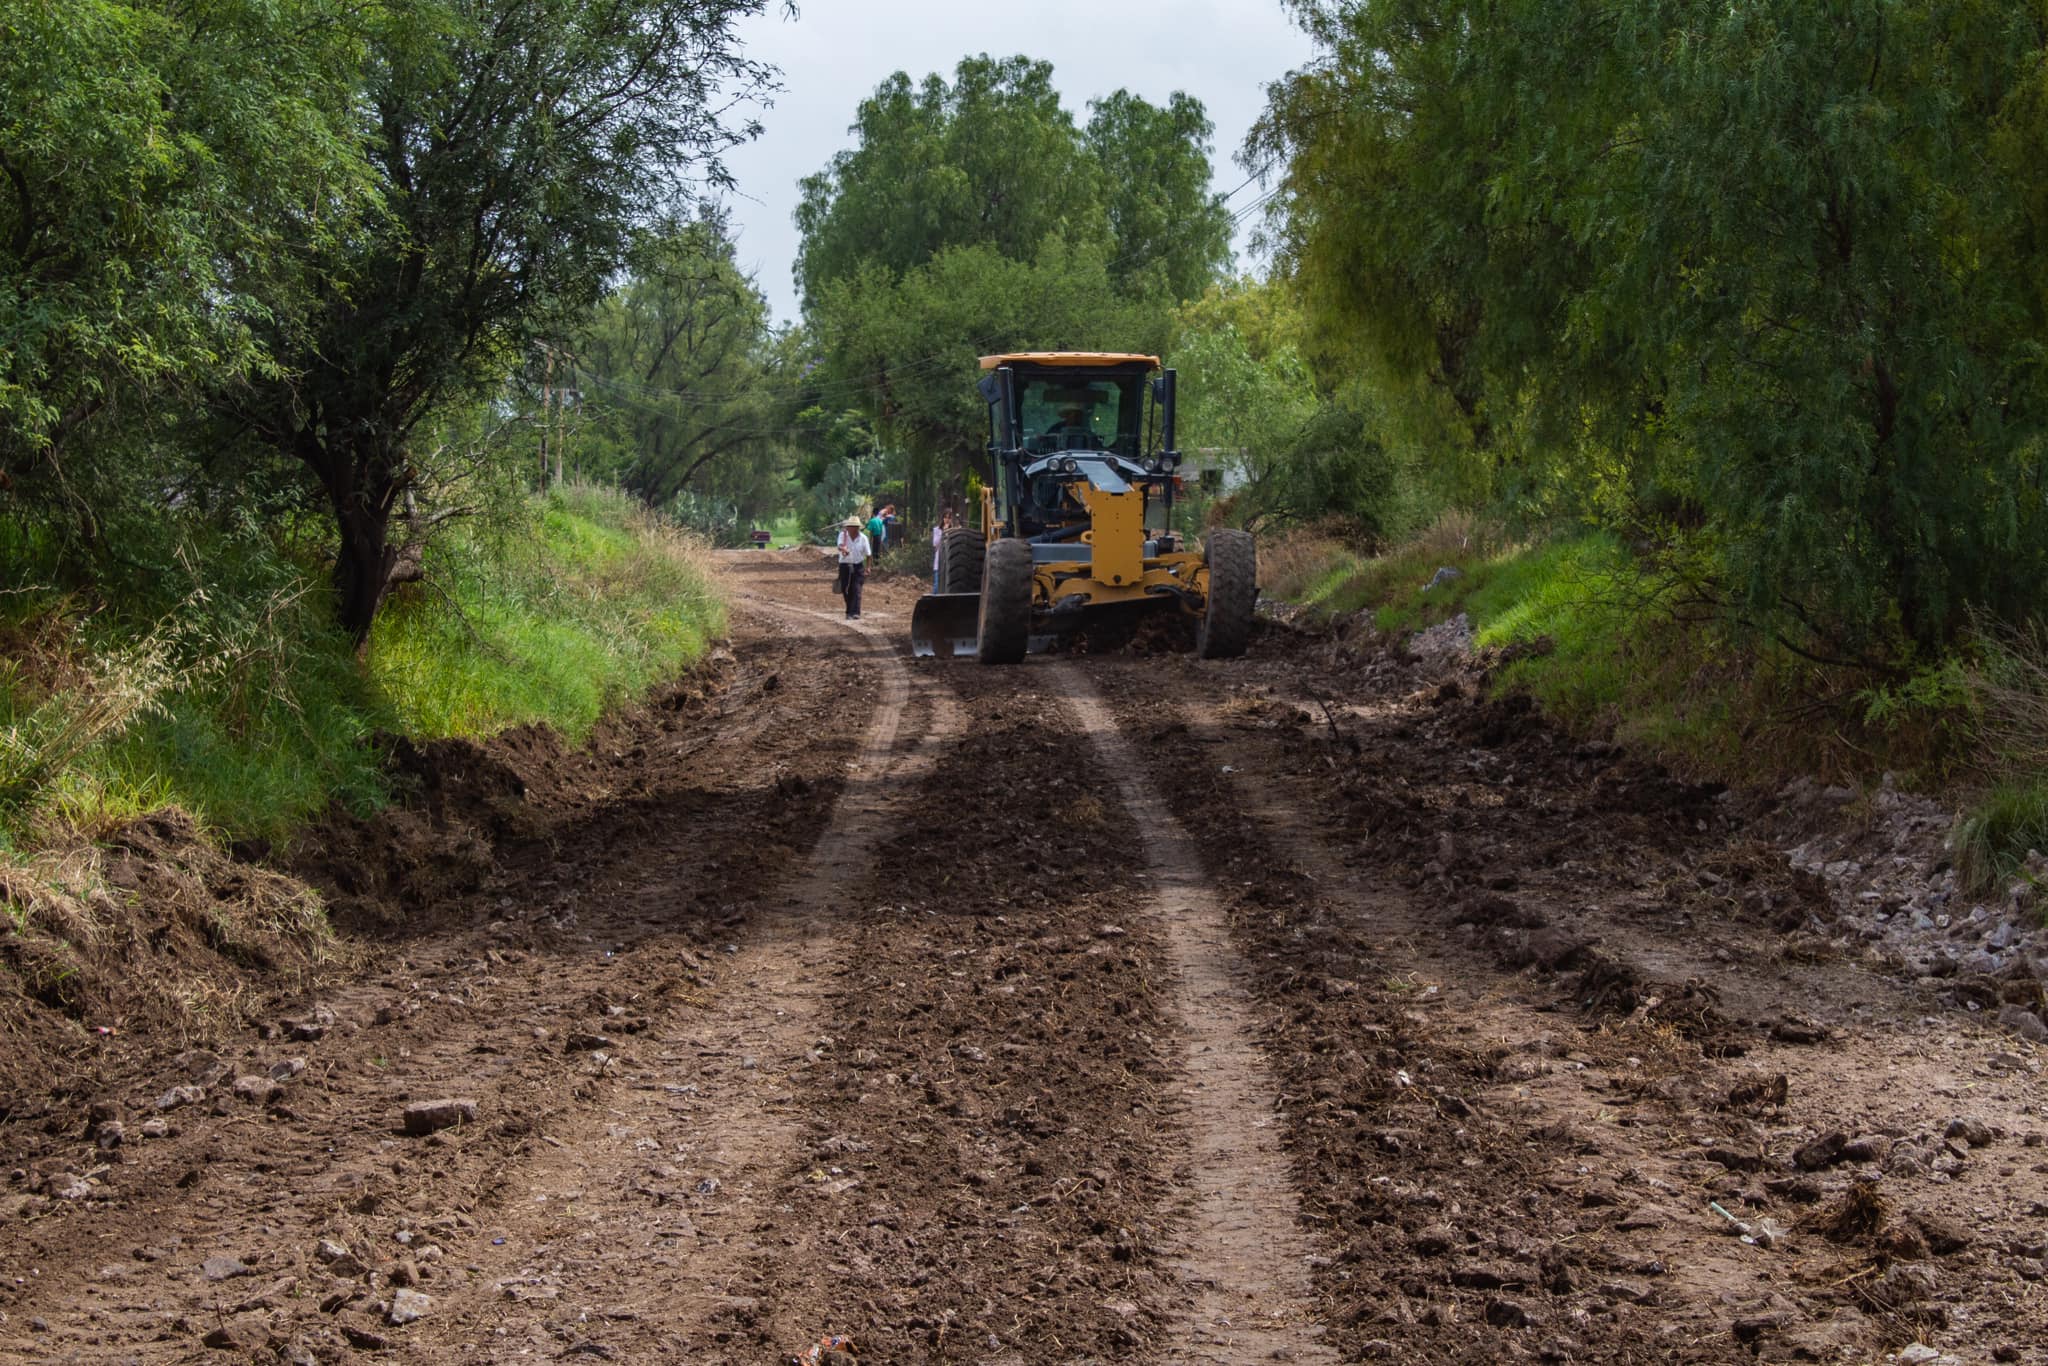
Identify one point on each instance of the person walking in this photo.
(946, 524)
(854, 552)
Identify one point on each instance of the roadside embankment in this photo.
(1942, 755)
(172, 727)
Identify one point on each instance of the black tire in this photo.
(1233, 592)
(960, 555)
(1006, 602)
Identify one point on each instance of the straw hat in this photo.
(853, 522)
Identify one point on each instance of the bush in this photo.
(2011, 686)
(1992, 842)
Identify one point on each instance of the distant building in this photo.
(1216, 470)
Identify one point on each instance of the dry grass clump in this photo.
(154, 936)
(1858, 1217)
(1293, 564)
(2002, 836)
(115, 690)
(2014, 687)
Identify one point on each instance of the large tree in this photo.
(517, 145)
(164, 169)
(974, 216)
(907, 346)
(1170, 232)
(1763, 274)
(677, 368)
(991, 159)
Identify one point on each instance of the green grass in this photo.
(253, 714)
(594, 605)
(1992, 841)
(1597, 636)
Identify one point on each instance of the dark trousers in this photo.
(851, 577)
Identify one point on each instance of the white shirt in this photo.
(938, 533)
(853, 546)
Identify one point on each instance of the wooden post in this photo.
(547, 387)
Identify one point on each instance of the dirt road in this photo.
(1309, 1008)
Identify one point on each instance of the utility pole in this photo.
(547, 387)
(561, 422)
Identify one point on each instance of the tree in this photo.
(1171, 234)
(989, 160)
(162, 168)
(974, 217)
(1765, 277)
(516, 144)
(907, 346)
(677, 368)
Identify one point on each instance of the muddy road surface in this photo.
(1313, 1007)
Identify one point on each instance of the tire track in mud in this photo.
(663, 1205)
(452, 1012)
(464, 1008)
(991, 1140)
(1422, 1086)
(1243, 1263)
(1493, 1155)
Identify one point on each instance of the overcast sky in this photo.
(836, 52)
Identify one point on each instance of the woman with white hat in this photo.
(854, 552)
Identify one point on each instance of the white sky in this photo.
(836, 52)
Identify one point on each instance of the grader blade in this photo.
(946, 624)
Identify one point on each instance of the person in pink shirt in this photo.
(946, 524)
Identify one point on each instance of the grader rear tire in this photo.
(1233, 592)
(960, 555)
(1006, 602)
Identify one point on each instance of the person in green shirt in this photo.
(878, 531)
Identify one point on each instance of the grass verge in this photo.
(209, 679)
(196, 694)
(589, 604)
(1616, 647)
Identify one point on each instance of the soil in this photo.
(1120, 1006)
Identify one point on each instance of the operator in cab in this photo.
(1072, 432)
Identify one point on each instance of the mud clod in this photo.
(430, 1116)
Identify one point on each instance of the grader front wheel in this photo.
(1006, 602)
(1233, 592)
(960, 555)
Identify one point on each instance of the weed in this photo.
(1998, 837)
(1993, 840)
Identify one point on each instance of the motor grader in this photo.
(1076, 528)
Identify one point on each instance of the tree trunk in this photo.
(362, 570)
(362, 487)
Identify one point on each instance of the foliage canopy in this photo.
(1766, 276)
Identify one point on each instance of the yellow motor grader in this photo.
(1076, 527)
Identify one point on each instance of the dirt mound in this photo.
(115, 955)
(155, 937)
(462, 803)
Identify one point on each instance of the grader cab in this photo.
(1076, 529)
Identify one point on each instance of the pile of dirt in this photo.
(463, 803)
(156, 937)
